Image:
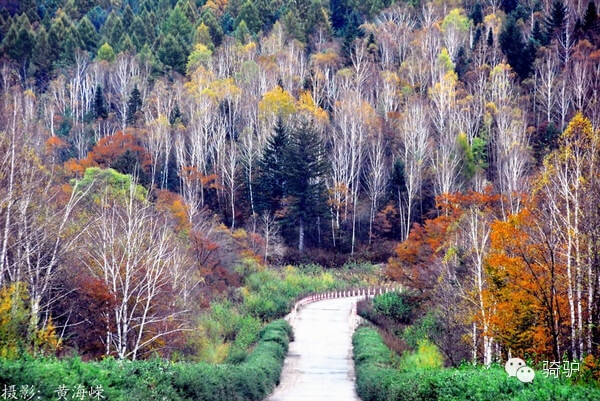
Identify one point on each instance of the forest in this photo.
(174, 174)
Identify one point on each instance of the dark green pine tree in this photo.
(590, 20)
(70, 46)
(127, 17)
(339, 12)
(518, 53)
(175, 114)
(171, 53)
(267, 12)
(293, 26)
(305, 189)
(490, 38)
(555, 22)
(215, 29)
(108, 27)
(591, 27)
(126, 45)
(19, 41)
(317, 18)
(537, 34)
(178, 25)
(56, 36)
(249, 13)
(461, 65)
(190, 11)
(41, 57)
(116, 34)
(9, 43)
(139, 31)
(30, 8)
(509, 5)
(242, 33)
(477, 14)
(351, 31)
(476, 37)
(134, 105)
(271, 178)
(87, 34)
(100, 110)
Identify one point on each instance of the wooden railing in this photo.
(365, 292)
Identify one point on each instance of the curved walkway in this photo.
(319, 363)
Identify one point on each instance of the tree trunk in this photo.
(301, 235)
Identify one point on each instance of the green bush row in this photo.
(394, 306)
(378, 380)
(157, 379)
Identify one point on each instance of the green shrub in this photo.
(427, 356)
(393, 305)
(156, 379)
(378, 380)
(425, 328)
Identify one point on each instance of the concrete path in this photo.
(319, 363)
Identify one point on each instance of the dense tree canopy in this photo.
(461, 141)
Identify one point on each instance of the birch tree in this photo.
(132, 253)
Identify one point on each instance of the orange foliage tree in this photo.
(123, 151)
(528, 284)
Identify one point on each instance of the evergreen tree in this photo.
(351, 31)
(591, 27)
(25, 42)
(490, 38)
(242, 33)
(476, 37)
(317, 18)
(272, 176)
(134, 104)
(109, 26)
(87, 34)
(462, 63)
(339, 12)
(249, 13)
(293, 26)
(171, 53)
(126, 44)
(100, 110)
(106, 53)
(537, 34)
(70, 46)
(509, 5)
(117, 32)
(518, 53)
(476, 14)
(139, 30)
(189, 10)
(41, 57)
(175, 114)
(98, 17)
(9, 43)
(56, 36)
(128, 17)
(267, 12)
(202, 36)
(178, 25)
(555, 22)
(305, 190)
(30, 8)
(216, 32)
(590, 20)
